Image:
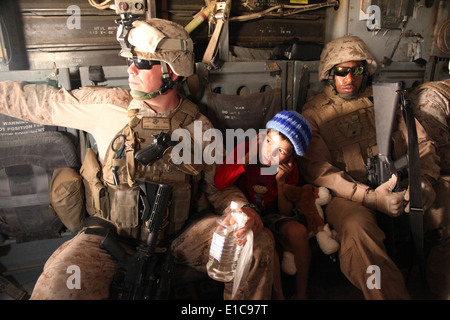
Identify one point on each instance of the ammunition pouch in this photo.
(120, 203)
(124, 205)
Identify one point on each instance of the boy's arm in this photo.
(229, 172)
(287, 173)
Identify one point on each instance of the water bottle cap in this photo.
(233, 205)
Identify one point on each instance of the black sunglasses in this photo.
(344, 71)
(142, 64)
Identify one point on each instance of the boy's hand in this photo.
(283, 170)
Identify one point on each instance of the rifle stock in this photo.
(380, 167)
(385, 99)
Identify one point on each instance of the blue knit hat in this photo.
(295, 127)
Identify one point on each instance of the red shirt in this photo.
(259, 189)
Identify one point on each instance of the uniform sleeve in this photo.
(32, 102)
(316, 167)
(99, 111)
(80, 109)
(219, 199)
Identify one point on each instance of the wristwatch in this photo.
(254, 207)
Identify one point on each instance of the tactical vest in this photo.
(348, 129)
(120, 203)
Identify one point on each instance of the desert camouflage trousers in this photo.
(190, 248)
(437, 227)
(362, 245)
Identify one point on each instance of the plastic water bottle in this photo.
(224, 252)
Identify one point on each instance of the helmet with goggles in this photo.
(162, 40)
(345, 49)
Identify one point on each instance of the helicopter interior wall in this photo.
(89, 56)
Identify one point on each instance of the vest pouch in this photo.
(67, 198)
(124, 202)
(97, 203)
(179, 207)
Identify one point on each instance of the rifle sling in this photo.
(415, 188)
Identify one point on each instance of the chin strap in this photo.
(141, 95)
(167, 84)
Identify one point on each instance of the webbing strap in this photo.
(185, 45)
(415, 189)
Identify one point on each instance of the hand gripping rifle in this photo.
(380, 167)
(144, 275)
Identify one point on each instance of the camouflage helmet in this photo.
(163, 40)
(345, 49)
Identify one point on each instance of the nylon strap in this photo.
(185, 45)
(415, 189)
(212, 45)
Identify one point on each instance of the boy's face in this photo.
(275, 146)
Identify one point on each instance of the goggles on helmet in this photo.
(142, 64)
(344, 71)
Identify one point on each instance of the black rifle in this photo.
(146, 274)
(380, 167)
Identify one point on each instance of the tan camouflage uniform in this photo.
(103, 112)
(343, 134)
(431, 104)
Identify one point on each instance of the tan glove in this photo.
(428, 195)
(384, 200)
